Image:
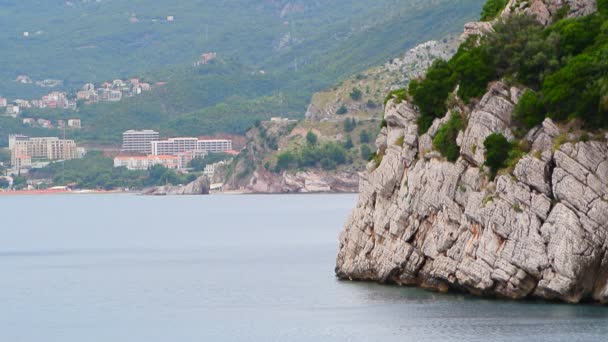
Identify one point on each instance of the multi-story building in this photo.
(146, 162)
(14, 138)
(3, 102)
(50, 148)
(214, 145)
(139, 141)
(22, 162)
(174, 146)
(184, 158)
(61, 149)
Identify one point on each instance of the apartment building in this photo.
(184, 158)
(174, 146)
(13, 138)
(22, 162)
(139, 141)
(50, 148)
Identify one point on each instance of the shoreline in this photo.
(114, 192)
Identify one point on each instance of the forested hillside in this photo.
(272, 55)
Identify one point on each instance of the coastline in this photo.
(62, 192)
(114, 192)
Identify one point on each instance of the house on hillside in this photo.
(118, 83)
(38, 104)
(29, 121)
(13, 110)
(115, 95)
(23, 103)
(74, 123)
(44, 123)
(3, 102)
(205, 58)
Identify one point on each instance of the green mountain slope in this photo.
(302, 46)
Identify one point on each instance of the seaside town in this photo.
(114, 91)
(141, 150)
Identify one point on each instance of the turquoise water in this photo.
(227, 268)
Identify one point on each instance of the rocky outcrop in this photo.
(311, 181)
(539, 231)
(545, 10)
(200, 186)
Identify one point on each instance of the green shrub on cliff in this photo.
(431, 93)
(397, 95)
(492, 8)
(530, 110)
(497, 152)
(474, 70)
(602, 6)
(566, 64)
(445, 140)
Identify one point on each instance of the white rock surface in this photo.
(423, 221)
(199, 186)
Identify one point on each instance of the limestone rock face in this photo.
(312, 181)
(199, 186)
(545, 10)
(423, 221)
(542, 10)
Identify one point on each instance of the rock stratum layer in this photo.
(538, 232)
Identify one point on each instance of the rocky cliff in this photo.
(538, 230)
(199, 186)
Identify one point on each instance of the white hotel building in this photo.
(138, 141)
(175, 146)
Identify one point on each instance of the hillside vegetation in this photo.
(564, 66)
(301, 47)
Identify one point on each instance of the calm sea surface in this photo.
(227, 268)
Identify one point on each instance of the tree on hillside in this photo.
(348, 144)
(311, 138)
(364, 137)
(342, 110)
(350, 124)
(356, 94)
